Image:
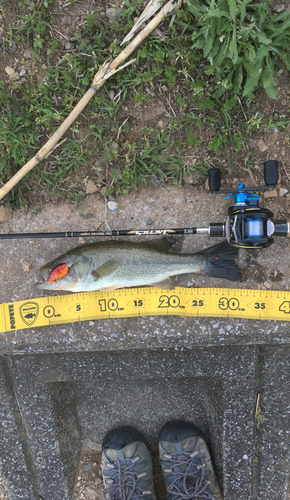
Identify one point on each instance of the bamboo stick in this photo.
(107, 70)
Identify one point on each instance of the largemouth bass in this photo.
(114, 264)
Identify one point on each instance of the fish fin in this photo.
(164, 284)
(105, 269)
(220, 262)
(162, 244)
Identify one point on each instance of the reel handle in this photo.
(271, 173)
(214, 179)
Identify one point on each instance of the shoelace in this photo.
(128, 488)
(180, 488)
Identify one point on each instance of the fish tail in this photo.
(221, 262)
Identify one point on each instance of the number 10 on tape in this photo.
(196, 302)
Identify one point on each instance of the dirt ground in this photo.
(156, 113)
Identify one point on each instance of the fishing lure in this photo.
(58, 272)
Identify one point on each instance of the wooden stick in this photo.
(107, 70)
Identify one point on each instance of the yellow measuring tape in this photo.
(130, 302)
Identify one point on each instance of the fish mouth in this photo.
(63, 283)
(55, 285)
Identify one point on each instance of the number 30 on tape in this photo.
(130, 302)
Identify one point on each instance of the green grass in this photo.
(205, 125)
(242, 42)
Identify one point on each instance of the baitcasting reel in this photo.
(247, 224)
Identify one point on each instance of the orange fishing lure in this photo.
(57, 272)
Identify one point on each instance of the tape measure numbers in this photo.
(130, 302)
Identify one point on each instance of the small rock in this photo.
(112, 205)
(91, 323)
(81, 240)
(279, 8)
(69, 46)
(114, 146)
(9, 70)
(160, 124)
(262, 146)
(27, 54)
(223, 210)
(88, 466)
(91, 187)
(90, 493)
(149, 222)
(164, 88)
(13, 46)
(26, 266)
(270, 194)
(267, 285)
(111, 94)
(150, 200)
(113, 13)
(206, 184)
(22, 72)
(29, 215)
(14, 77)
(44, 66)
(87, 213)
(282, 191)
(67, 19)
(100, 168)
(5, 214)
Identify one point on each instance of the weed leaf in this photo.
(233, 8)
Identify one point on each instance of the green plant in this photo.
(260, 418)
(34, 24)
(242, 43)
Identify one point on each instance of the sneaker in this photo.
(127, 466)
(186, 462)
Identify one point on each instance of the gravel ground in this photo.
(89, 482)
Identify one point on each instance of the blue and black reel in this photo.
(248, 225)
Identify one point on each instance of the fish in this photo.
(30, 315)
(119, 264)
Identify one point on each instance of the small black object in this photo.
(271, 173)
(281, 227)
(214, 179)
(217, 229)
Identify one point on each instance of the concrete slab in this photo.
(70, 399)
(63, 387)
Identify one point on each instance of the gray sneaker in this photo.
(127, 466)
(186, 462)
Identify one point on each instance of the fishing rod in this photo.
(247, 225)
